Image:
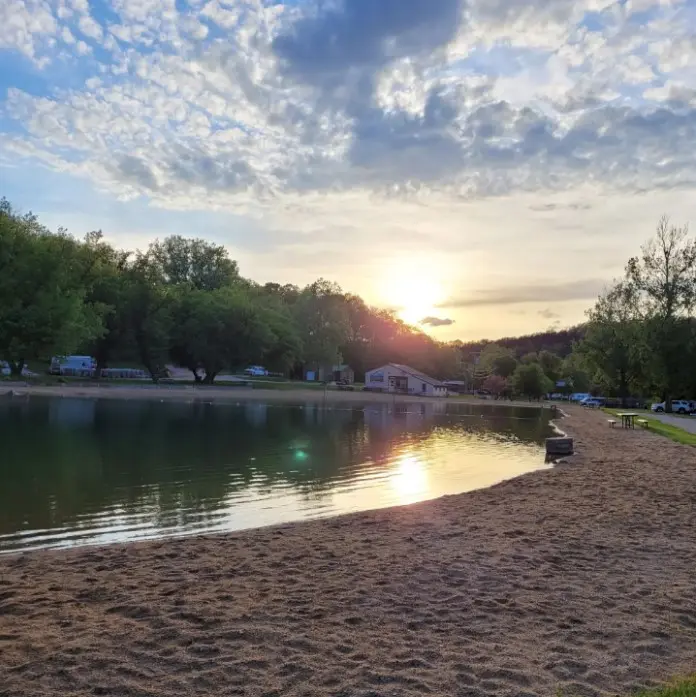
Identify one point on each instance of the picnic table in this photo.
(628, 419)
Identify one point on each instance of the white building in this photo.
(403, 380)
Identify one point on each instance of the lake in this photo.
(87, 471)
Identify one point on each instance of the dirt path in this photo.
(578, 581)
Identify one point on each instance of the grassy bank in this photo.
(678, 435)
(677, 688)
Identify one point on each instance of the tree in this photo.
(322, 319)
(551, 364)
(529, 358)
(612, 344)
(529, 380)
(498, 360)
(664, 279)
(148, 314)
(221, 329)
(575, 372)
(108, 287)
(43, 291)
(496, 385)
(193, 262)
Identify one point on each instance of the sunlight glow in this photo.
(414, 289)
(410, 479)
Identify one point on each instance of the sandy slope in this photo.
(183, 393)
(580, 579)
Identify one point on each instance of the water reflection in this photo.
(79, 470)
(410, 479)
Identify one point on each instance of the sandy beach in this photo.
(576, 581)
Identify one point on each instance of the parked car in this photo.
(256, 371)
(679, 406)
(593, 402)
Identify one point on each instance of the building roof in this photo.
(414, 373)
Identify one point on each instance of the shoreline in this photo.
(232, 395)
(578, 579)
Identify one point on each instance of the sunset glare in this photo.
(412, 291)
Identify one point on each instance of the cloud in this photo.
(253, 104)
(26, 26)
(90, 28)
(549, 314)
(436, 322)
(365, 34)
(586, 289)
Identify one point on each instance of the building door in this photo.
(398, 383)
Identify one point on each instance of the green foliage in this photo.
(194, 262)
(44, 286)
(552, 365)
(613, 339)
(322, 319)
(640, 335)
(497, 360)
(664, 280)
(147, 315)
(220, 329)
(530, 381)
(183, 301)
(576, 372)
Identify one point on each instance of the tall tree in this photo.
(148, 312)
(551, 364)
(323, 322)
(43, 292)
(530, 381)
(498, 360)
(194, 262)
(613, 340)
(225, 329)
(664, 276)
(108, 287)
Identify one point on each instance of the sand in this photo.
(295, 395)
(579, 580)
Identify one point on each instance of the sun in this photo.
(413, 290)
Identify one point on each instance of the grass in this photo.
(682, 687)
(677, 688)
(679, 435)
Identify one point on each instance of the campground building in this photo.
(401, 379)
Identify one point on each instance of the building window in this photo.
(423, 387)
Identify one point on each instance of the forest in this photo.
(184, 301)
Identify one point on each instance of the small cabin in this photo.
(402, 379)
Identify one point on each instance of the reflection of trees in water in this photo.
(65, 458)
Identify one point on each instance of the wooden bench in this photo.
(644, 423)
(612, 423)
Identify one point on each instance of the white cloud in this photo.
(25, 25)
(246, 105)
(90, 28)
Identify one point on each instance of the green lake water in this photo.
(87, 471)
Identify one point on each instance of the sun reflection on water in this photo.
(410, 479)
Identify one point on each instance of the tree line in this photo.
(184, 301)
(639, 339)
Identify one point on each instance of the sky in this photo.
(487, 166)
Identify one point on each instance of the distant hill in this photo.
(558, 342)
